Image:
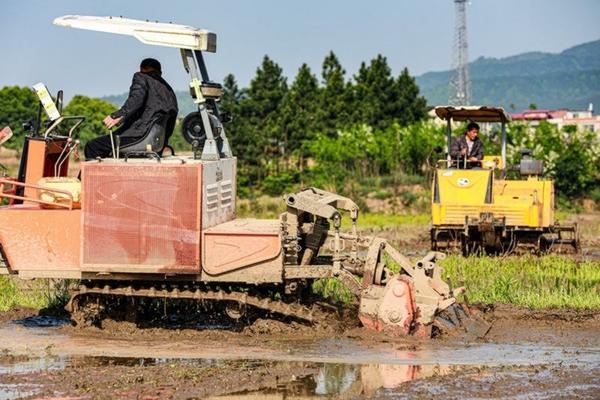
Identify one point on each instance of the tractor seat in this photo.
(154, 137)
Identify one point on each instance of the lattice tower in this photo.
(460, 82)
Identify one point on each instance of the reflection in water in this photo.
(346, 380)
(10, 391)
(336, 378)
(42, 321)
(32, 365)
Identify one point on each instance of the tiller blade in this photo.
(413, 300)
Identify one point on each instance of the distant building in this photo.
(584, 120)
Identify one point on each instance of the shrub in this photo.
(278, 184)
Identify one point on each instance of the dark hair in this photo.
(472, 125)
(150, 63)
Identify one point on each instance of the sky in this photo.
(417, 34)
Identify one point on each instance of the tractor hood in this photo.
(153, 33)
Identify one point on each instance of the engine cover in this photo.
(141, 216)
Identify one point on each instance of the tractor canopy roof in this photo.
(472, 113)
(153, 33)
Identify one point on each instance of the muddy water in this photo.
(26, 338)
(43, 357)
(308, 380)
(315, 380)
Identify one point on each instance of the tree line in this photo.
(275, 124)
(351, 134)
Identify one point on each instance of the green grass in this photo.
(271, 207)
(333, 289)
(19, 293)
(36, 294)
(263, 207)
(535, 282)
(382, 221)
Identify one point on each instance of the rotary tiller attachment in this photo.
(413, 300)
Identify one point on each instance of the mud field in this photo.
(550, 354)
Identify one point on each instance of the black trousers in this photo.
(100, 147)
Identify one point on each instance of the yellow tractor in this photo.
(476, 208)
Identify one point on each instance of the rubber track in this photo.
(295, 310)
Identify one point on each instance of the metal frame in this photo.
(190, 41)
(193, 62)
(4, 194)
(448, 113)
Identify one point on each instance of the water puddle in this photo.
(15, 391)
(345, 380)
(321, 380)
(28, 366)
(274, 380)
(33, 356)
(42, 321)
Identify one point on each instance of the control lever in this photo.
(118, 140)
(73, 148)
(112, 143)
(58, 162)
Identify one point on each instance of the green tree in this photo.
(410, 107)
(17, 105)
(571, 157)
(576, 169)
(230, 104)
(232, 96)
(299, 112)
(260, 109)
(374, 97)
(94, 110)
(335, 99)
(416, 145)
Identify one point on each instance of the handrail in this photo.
(457, 163)
(38, 187)
(60, 119)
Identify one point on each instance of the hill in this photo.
(568, 79)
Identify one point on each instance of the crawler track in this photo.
(81, 303)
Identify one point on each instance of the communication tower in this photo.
(460, 82)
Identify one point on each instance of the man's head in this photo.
(472, 130)
(150, 65)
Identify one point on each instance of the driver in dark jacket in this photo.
(468, 146)
(150, 96)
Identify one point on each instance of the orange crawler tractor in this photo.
(140, 228)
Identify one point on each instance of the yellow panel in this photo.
(548, 204)
(492, 162)
(436, 217)
(463, 186)
(526, 203)
(538, 193)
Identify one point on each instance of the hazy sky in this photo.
(417, 34)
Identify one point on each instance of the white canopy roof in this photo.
(472, 113)
(153, 33)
